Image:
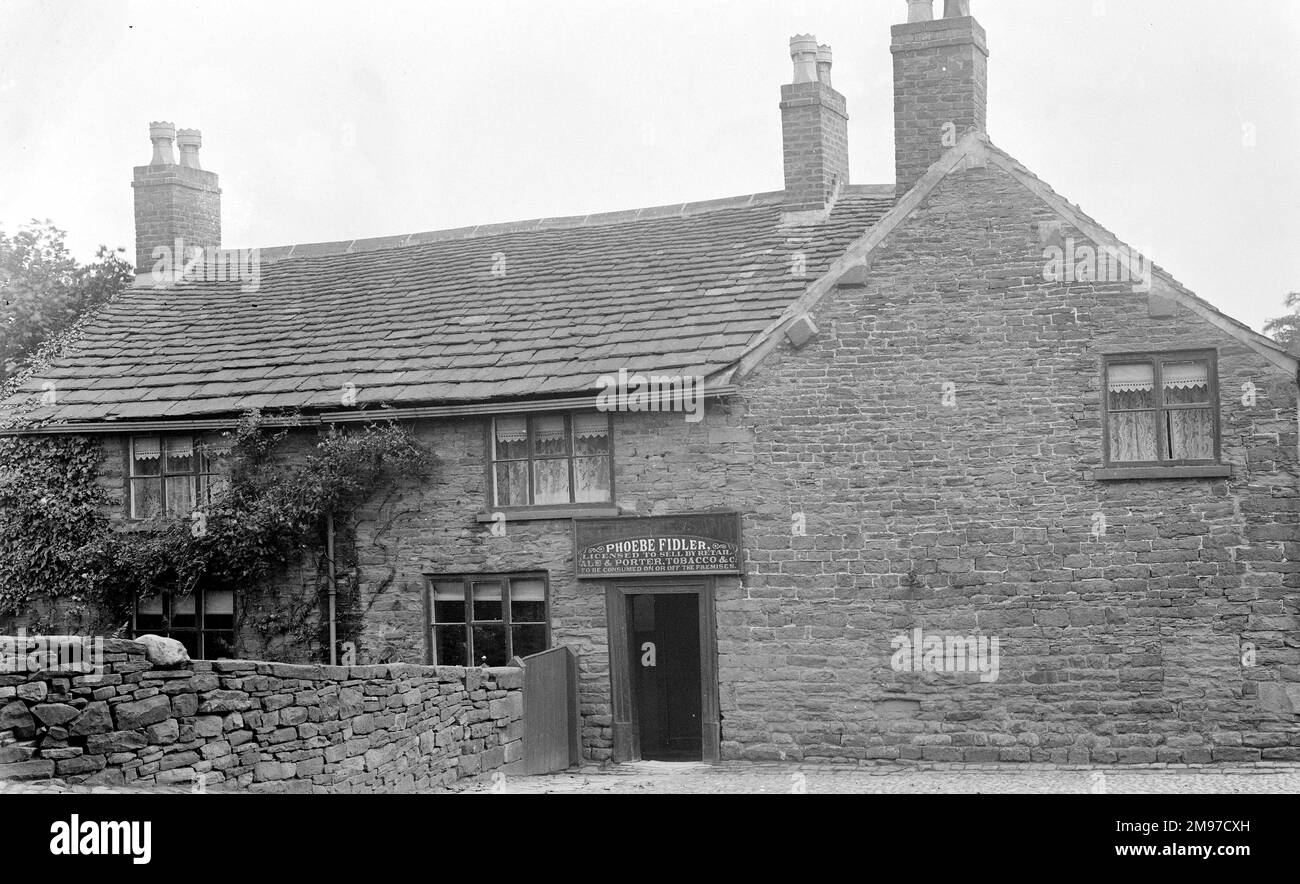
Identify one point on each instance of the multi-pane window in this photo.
(550, 459)
(202, 621)
(1162, 408)
(486, 619)
(170, 475)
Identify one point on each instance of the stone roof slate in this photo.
(424, 319)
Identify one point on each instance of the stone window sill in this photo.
(1204, 471)
(554, 513)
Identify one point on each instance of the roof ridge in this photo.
(275, 254)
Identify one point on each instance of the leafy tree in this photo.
(1286, 329)
(44, 290)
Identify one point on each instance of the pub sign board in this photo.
(646, 546)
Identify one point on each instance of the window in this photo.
(170, 475)
(551, 459)
(202, 621)
(1162, 409)
(487, 619)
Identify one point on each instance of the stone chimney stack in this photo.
(814, 127)
(940, 85)
(174, 201)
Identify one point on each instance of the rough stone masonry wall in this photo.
(663, 464)
(273, 727)
(977, 517)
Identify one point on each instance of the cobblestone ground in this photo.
(739, 778)
(54, 787)
(763, 778)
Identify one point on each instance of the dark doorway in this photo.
(665, 649)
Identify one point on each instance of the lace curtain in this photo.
(1132, 433)
(1191, 430)
(1137, 422)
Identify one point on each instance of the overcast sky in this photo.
(331, 120)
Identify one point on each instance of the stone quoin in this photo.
(922, 432)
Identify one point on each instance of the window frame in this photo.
(1157, 359)
(200, 621)
(201, 457)
(490, 471)
(467, 582)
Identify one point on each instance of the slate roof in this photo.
(423, 319)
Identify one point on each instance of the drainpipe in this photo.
(333, 585)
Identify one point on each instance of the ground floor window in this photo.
(202, 621)
(486, 619)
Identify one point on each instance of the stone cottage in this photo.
(937, 469)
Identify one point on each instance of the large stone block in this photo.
(33, 691)
(165, 653)
(1280, 697)
(16, 717)
(216, 702)
(94, 719)
(208, 726)
(179, 759)
(82, 764)
(118, 741)
(163, 733)
(142, 713)
(54, 714)
(267, 771)
(123, 646)
(41, 769)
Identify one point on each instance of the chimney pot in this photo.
(920, 10)
(824, 64)
(956, 8)
(162, 134)
(803, 51)
(190, 140)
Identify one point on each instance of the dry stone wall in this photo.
(241, 724)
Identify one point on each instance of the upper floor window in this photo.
(170, 476)
(552, 459)
(1162, 408)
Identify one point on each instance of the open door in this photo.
(663, 672)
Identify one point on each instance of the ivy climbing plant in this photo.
(57, 544)
(51, 511)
